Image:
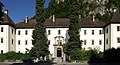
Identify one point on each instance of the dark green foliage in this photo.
(113, 4)
(59, 10)
(112, 55)
(39, 41)
(80, 55)
(1, 13)
(109, 56)
(12, 56)
(74, 42)
(95, 56)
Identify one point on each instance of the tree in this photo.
(39, 41)
(59, 10)
(74, 40)
(1, 13)
(113, 4)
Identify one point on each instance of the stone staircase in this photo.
(58, 60)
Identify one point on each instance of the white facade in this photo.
(23, 40)
(94, 35)
(7, 38)
(112, 36)
(92, 38)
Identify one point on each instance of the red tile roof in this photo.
(7, 21)
(60, 22)
(115, 17)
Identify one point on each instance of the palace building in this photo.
(95, 34)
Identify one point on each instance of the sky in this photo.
(19, 9)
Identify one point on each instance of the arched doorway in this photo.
(59, 52)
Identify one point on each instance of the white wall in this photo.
(22, 37)
(12, 38)
(114, 35)
(4, 35)
(89, 37)
(53, 34)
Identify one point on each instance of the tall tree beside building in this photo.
(39, 41)
(1, 7)
(74, 42)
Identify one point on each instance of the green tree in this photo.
(59, 10)
(113, 4)
(1, 7)
(39, 41)
(74, 40)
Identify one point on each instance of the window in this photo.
(92, 32)
(107, 30)
(84, 32)
(26, 42)
(118, 28)
(92, 42)
(100, 42)
(26, 32)
(48, 32)
(12, 31)
(118, 40)
(1, 29)
(1, 40)
(19, 32)
(58, 31)
(100, 31)
(18, 42)
(84, 42)
(60, 42)
(1, 51)
(106, 41)
(12, 41)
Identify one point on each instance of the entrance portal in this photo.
(59, 52)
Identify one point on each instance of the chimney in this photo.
(26, 20)
(6, 11)
(53, 18)
(93, 18)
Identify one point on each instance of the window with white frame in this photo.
(1, 40)
(26, 32)
(18, 32)
(92, 32)
(59, 31)
(100, 31)
(92, 42)
(1, 29)
(118, 28)
(107, 30)
(12, 41)
(84, 42)
(49, 32)
(26, 42)
(118, 40)
(12, 31)
(100, 42)
(106, 41)
(85, 32)
(18, 42)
